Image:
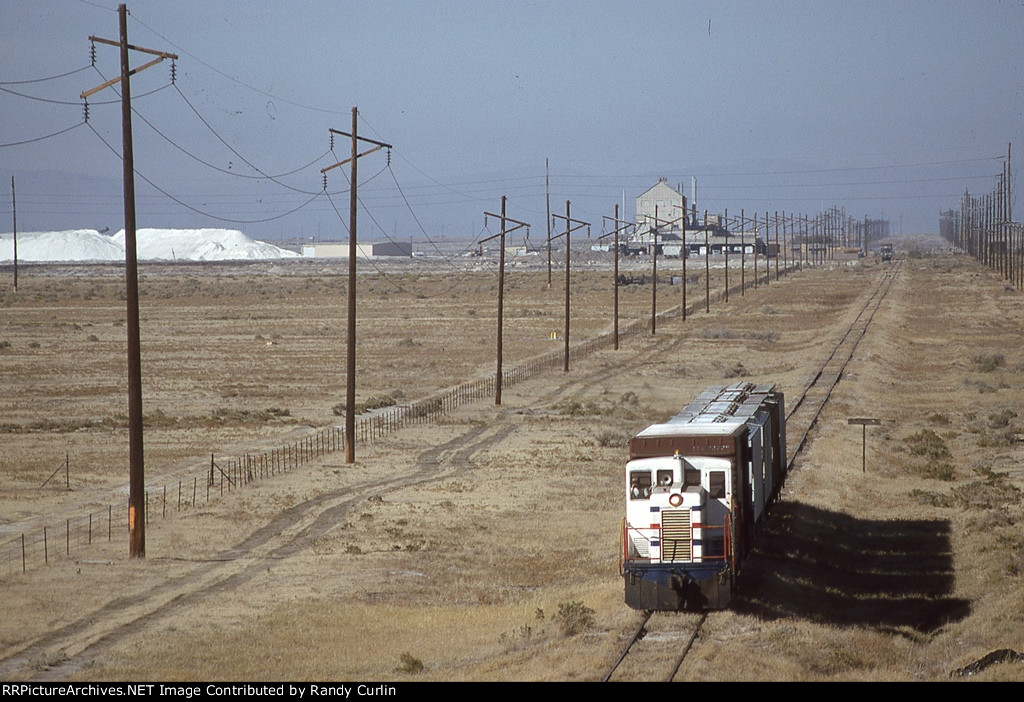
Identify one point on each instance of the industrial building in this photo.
(368, 250)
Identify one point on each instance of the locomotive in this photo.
(698, 488)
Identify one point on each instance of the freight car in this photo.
(698, 488)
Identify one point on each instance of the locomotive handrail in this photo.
(623, 547)
(724, 528)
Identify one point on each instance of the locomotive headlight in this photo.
(675, 499)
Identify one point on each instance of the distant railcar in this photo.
(698, 488)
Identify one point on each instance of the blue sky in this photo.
(889, 109)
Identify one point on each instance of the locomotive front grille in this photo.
(676, 536)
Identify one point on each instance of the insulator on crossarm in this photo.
(92, 53)
(85, 110)
(332, 141)
(325, 182)
(174, 71)
(389, 158)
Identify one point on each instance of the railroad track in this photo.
(90, 635)
(803, 415)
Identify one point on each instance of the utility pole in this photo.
(778, 251)
(707, 267)
(683, 251)
(136, 469)
(569, 229)
(654, 290)
(620, 225)
(547, 199)
(725, 250)
(742, 253)
(755, 250)
(654, 272)
(350, 356)
(14, 215)
(785, 257)
(501, 283)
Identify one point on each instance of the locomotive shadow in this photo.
(832, 568)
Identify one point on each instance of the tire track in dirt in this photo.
(291, 532)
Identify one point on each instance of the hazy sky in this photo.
(889, 109)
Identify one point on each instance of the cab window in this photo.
(716, 484)
(639, 484)
(691, 477)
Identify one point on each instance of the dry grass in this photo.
(503, 518)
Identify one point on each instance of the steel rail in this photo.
(864, 318)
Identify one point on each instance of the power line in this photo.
(235, 151)
(43, 80)
(232, 78)
(48, 136)
(225, 170)
(202, 212)
(419, 224)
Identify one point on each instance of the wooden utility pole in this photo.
(654, 272)
(14, 215)
(501, 285)
(547, 200)
(742, 253)
(725, 250)
(350, 356)
(707, 267)
(683, 251)
(619, 225)
(569, 229)
(654, 290)
(136, 469)
(778, 251)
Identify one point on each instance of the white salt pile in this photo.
(88, 245)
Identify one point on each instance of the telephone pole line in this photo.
(569, 229)
(620, 225)
(501, 283)
(350, 356)
(14, 215)
(654, 250)
(136, 470)
(547, 199)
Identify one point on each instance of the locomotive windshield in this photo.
(639, 484)
(691, 477)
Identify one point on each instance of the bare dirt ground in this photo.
(484, 546)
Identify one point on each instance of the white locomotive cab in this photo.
(677, 508)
